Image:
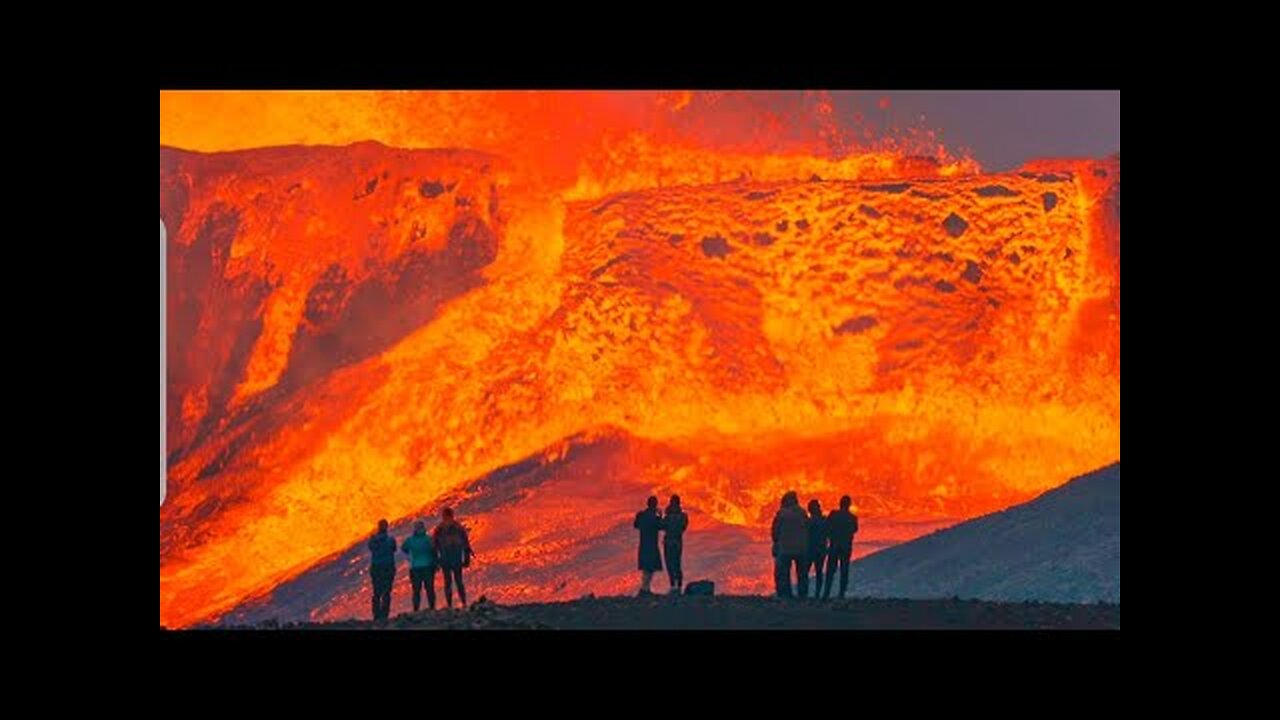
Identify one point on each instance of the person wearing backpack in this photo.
(453, 550)
(382, 570)
(421, 550)
(842, 525)
(674, 523)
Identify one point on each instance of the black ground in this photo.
(747, 613)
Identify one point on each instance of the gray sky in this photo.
(1003, 128)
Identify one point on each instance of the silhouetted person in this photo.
(382, 570)
(791, 542)
(674, 522)
(817, 552)
(453, 548)
(648, 522)
(422, 565)
(842, 525)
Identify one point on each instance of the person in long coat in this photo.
(649, 523)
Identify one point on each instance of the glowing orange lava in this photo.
(379, 299)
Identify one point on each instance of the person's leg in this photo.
(810, 563)
(381, 591)
(386, 598)
(785, 575)
(844, 570)
(819, 564)
(670, 559)
(375, 583)
(448, 586)
(430, 582)
(830, 575)
(801, 578)
(679, 566)
(781, 579)
(673, 552)
(646, 580)
(836, 562)
(462, 589)
(415, 585)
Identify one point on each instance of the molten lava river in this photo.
(542, 308)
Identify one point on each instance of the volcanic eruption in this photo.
(543, 307)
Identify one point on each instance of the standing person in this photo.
(382, 570)
(817, 555)
(648, 522)
(674, 522)
(791, 541)
(842, 525)
(453, 548)
(421, 550)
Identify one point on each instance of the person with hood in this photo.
(790, 534)
(648, 522)
(817, 553)
(453, 550)
(382, 570)
(421, 550)
(842, 525)
(674, 523)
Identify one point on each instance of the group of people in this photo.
(809, 541)
(803, 541)
(672, 523)
(446, 549)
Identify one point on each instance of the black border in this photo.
(522, 652)
(655, 73)
(822, 51)
(810, 668)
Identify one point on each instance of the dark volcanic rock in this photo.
(972, 272)
(856, 325)
(715, 246)
(955, 225)
(720, 612)
(995, 191)
(1063, 546)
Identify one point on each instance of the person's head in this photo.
(815, 507)
(845, 502)
(675, 502)
(382, 526)
(791, 498)
(419, 527)
(653, 502)
(447, 514)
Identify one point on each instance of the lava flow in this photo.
(594, 300)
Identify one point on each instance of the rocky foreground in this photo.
(744, 613)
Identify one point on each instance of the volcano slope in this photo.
(1064, 546)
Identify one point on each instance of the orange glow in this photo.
(744, 295)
